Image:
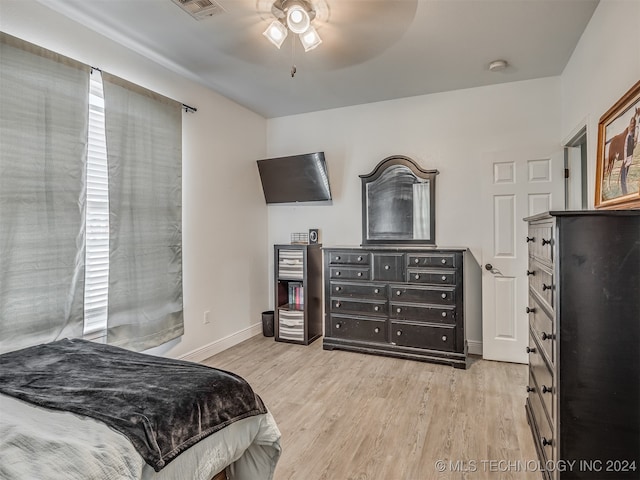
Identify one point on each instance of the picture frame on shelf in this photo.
(618, 154)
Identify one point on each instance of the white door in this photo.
(516, 184)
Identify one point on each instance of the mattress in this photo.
(48, 445)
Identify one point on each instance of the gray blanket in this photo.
(162, 406)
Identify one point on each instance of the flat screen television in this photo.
(297, 178)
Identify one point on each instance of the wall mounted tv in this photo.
(297, 178)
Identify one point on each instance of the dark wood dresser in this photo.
(403, 302)
(583, 401)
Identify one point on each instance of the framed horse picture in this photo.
(618, 155)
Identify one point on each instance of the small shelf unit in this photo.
(298, 293)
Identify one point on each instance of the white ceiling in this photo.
(372, 50)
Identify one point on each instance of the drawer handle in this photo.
(359, 274)
(444, 278)
(338, 325)
(443, 261)
(398, 309)
(359, 259)
(444, 295)
(530, 389)
(338, 257)
(531, 239)
(416, 260)
(530, 310)
(338, 273)
(531, 350)
(547, 336)
(338, 289)
(399, 332)
(546, 389)
(546, 287)
(398, 293)
(417, 276)
(444, 314)
(545, 241)
(376, 308)
(531, 272)
(376, 330)
(338, 304)
(546, 443)
(377, 290)
(387, 267)
(444, 338)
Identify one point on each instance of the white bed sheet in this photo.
(42, 444)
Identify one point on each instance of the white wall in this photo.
(450, 131)
(224, 215)
(447, 131)
(604, 66)
(227, 263)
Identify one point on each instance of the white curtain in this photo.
(43, 134)
(144, 151)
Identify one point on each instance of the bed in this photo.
(52, 428)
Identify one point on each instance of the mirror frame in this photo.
(419, 173)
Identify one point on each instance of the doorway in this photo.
(575, 172)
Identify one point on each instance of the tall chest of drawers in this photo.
(408, 303)
(583, 402)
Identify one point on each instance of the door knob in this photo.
(488, 266)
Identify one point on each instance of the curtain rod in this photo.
(187, 108)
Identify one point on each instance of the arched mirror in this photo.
(399, 203)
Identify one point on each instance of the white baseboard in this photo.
(202, 353)
(474, 347)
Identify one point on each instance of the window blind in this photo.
(96, 295)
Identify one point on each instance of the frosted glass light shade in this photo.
(310, 39)
(276, 33)
(298, 19)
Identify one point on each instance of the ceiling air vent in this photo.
(200, 9)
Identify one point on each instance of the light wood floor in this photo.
(351, 416)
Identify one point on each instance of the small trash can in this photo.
(267, 323)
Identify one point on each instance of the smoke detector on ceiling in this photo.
(200, 9)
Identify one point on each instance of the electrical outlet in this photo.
(206, 319)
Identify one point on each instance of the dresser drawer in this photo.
(422, 313)
(437, 337)
(543, 427)
(431, 295)
(349, 273)
(359, 290)
(431, 276)
(337, 257)
(351, 328)
(389, 268)
(431, 260)
(542, 326)
(540, 240)
(543, 376)
(542, 283)
(367, 307)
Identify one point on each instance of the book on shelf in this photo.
(296, 294)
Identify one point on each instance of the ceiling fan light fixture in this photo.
(310, 39)
(276, 33)
(298, 19)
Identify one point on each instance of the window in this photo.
(96, 294)
(90, 204)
